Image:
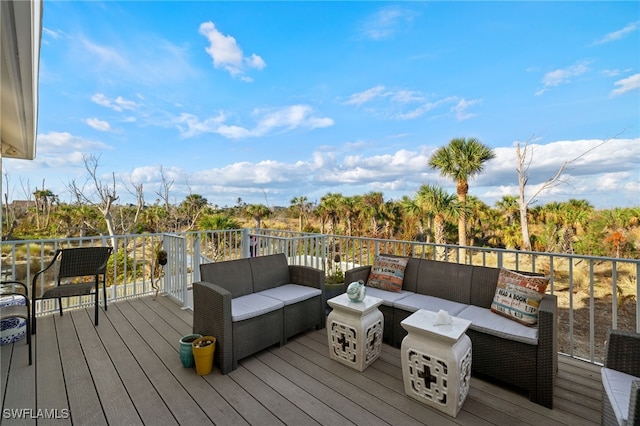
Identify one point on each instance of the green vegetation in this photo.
(431, 215)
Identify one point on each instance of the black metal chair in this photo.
(75, 263)
(8, 288)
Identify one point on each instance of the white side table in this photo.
(354, 331)
(436, 361)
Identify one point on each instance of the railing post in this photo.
(245, 242)
(185, 287)
(195, 258)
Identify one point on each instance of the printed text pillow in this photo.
(387, 273)
(518, 296)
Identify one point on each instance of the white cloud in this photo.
(226, 53)
(100, 125)
(196, 127)
(461, 109)
(366, 96)
(617, 35)
(57, 151)
(626, 85)
(611, 73)
(51, 33)
(610, 168)
(268, 121)
(64, 142)
(118, 104)
(105, 55)
(563, 75)
(401, 104)
(385, 23)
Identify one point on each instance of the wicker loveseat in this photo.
(251, 304)
(522, 356)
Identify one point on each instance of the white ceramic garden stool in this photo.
(354, 331)
(436, 361)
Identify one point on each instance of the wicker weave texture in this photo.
(530, 367)
(75, 262)
(237, 340)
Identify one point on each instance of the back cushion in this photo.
(232, 275)
(269, 271)
(411, 274)
(483, 285)
(451, 281)
(387, 272)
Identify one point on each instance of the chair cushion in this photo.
(414, 302)
(485, 321)
(253, 305)
(388, 297)
(232, 275)
(518, 296)
(269, 271)
(291, 293)
(387, 272)
(617, 386)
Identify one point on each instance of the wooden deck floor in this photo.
(127, 371)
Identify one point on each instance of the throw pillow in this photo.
(518, 296)
(387, 273)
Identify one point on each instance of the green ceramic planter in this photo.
(186, 354)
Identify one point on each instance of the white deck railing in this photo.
(608, 287)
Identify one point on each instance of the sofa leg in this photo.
(542, 398)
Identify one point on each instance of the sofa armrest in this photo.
(212, 317)
(306, 275)
(355, 274)
(634, 403)
(548, 325)
(622, 352)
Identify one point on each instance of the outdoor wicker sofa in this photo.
(621, 379)
(253, 303)
(518, 355)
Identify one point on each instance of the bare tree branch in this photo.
(524, 156)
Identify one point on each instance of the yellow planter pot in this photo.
(203, 355)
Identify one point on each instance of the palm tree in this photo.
(44, 199)
(257, 212)
(574, 216)
(443, 206)
(461, 160)
(479, 220)
(350, 208)
(192, 206)
(302, 205)
(331, 203)
(391, 214)
(371, 205)
(415, 213)
(509, 208)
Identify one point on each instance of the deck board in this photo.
(127, 371)
(82, 394)
(50, 387)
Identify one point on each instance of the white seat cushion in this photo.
(617, 386)
(291, 293)
(253, 305)
(388, 297)
(415, 302)
(485, 321)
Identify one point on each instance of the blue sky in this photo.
(267, 101)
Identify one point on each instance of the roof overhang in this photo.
(21, 28)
